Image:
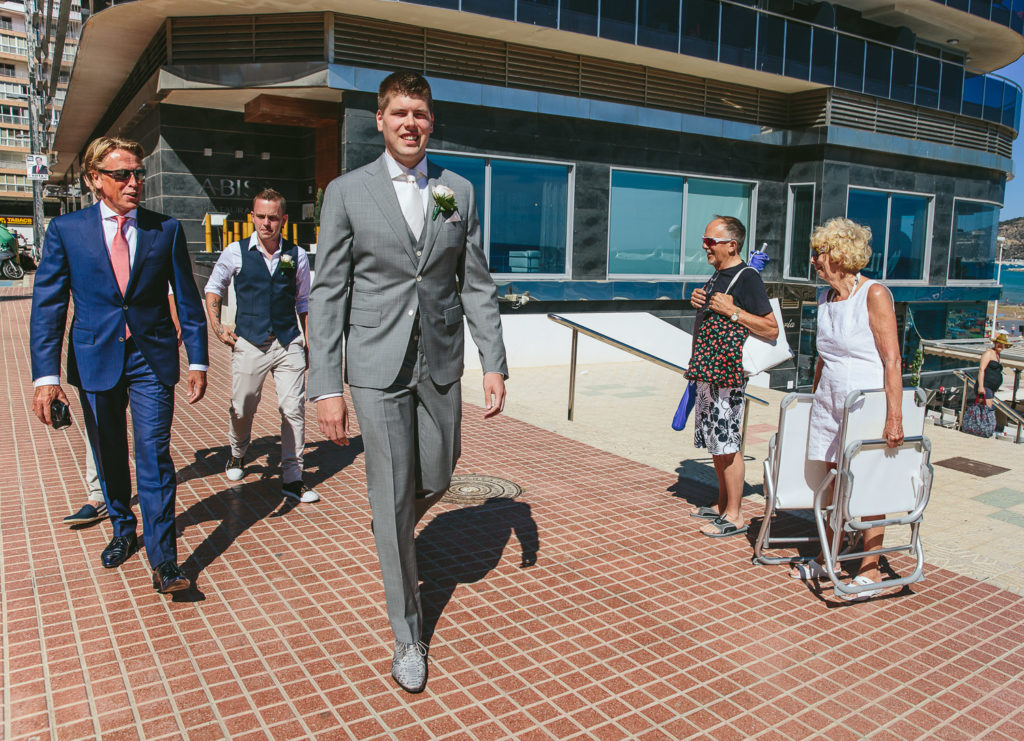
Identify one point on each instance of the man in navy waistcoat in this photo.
(271, 277)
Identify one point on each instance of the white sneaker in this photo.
(234, 469)
(300, 492)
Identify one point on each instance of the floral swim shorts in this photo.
(719, 419)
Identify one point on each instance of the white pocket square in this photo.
(453, 218)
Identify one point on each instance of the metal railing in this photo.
(578, 329)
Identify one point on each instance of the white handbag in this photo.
(759, 354)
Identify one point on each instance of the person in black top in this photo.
(731, 305)
(990, 371)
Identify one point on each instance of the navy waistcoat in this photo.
(265, 301)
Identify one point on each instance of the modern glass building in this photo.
(601, 136)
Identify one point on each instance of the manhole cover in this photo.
(471, 489)
(969, 465)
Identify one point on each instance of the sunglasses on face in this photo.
(818, 253)
(122, 176)
(711, 241)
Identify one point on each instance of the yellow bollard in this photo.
(318, 234)
(249, 229)
(225, 239)
(295, 233)
(208, 233)
(238, 235)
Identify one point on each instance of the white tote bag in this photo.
(759, 354)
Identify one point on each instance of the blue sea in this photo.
(1013, 284)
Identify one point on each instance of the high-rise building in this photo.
(601, 136)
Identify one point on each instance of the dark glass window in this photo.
(493, 8)
(974, 94)
(1017, 15)
(1010, 103)
(798, 51)
(801, 221)
(823, 62)
(618, 21)
(739, 41)
(964, 5)
(981, 8)
(1000, 12)
(952, 87)
(973, 253)
(904, 69)
(540, 12)
(870, 208)
(993, 108)
(529, 208)
(700, 29)
(928, 82)
(850, 63)
(529, 212)
(658, 26)
(877, 70)
(645, 223)
(771, 43)
(908, 234)
(579, 16)
(453, 4)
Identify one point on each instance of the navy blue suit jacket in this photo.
(76, 263)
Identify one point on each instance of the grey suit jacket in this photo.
(370, 282)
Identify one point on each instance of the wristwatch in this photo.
(735, 316)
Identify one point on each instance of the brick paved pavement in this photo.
(627, 625)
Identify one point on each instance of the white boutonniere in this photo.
(287, 264)
(444, 201)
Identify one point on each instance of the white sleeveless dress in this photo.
(852, 362)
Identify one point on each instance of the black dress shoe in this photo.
(118, 550)
(167, 577)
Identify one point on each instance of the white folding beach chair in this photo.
(874, 480)
(790, 480)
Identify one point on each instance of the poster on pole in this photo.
(37, 167)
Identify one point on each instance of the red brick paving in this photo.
(629, 625)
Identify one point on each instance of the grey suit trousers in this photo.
(412, 435)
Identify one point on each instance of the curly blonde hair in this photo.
(846, 242)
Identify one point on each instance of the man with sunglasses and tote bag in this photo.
(732, 305)
(117, 260)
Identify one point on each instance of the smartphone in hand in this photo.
(60, 415)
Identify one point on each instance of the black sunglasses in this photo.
(122, 176)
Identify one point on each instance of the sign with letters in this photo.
(37, 167)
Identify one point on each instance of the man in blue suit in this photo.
(116, 260)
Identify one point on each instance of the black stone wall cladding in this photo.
(843, 169)
(184, 183)
(187, 185)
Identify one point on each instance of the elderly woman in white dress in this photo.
(858, 348)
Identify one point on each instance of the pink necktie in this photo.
(121, 261)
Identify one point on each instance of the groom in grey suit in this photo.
(399, 263)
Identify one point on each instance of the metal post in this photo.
(572, 373)
(35, 146)
(743, 431)
(963, 403)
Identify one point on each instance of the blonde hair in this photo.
(99, 148)
(846, 242)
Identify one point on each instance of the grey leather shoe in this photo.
(409, 667)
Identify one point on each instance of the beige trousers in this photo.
(92, 477)
(249, 368)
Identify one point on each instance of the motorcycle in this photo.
(11, 262)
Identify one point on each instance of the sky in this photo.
(1013, 202)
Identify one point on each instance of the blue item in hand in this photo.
(685, 406)
(758, 260)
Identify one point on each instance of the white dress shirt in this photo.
(230, 263)
(400, 177)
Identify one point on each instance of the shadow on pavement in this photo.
(242, 505)
(461, 546)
